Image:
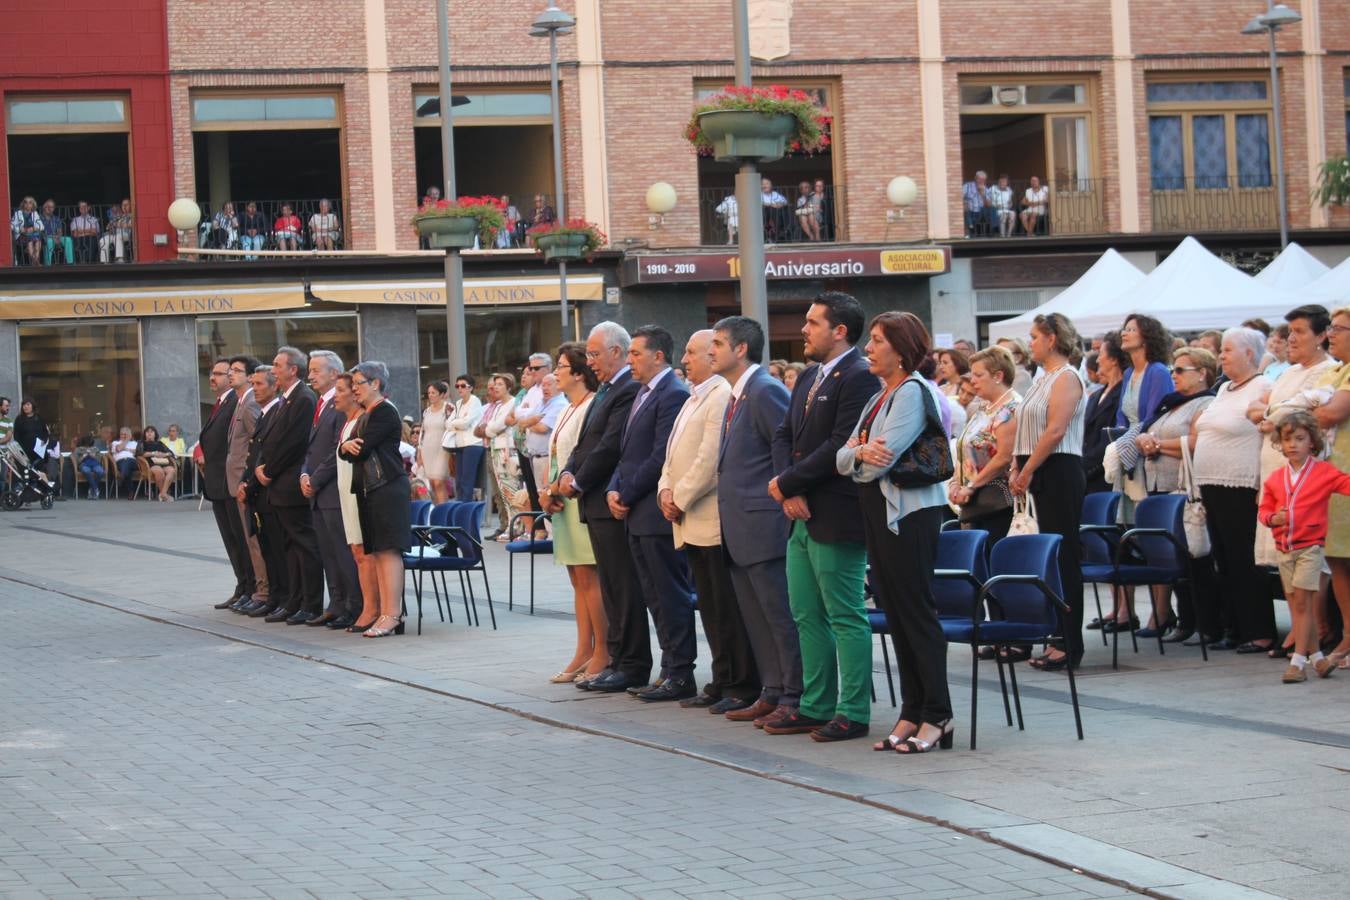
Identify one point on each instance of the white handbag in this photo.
(1193, 517)
(1024, 516)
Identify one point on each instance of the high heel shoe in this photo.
(378, 632)
(564, 676)
(892, 740)
(356, 628)
(915, 744)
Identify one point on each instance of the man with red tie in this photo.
(214, 444)
(318, 482)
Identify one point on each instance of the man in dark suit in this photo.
(826, 555)
(283, 454)
(257, 506)
(754, 531)
(662, 570)
(214, 443)
(587, 475)
(318, 482)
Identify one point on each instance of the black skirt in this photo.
(386, 517)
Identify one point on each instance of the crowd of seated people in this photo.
(43, 237)
(251, 230)
(999, 210)
(807, 218)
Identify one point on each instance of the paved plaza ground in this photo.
(151, 746)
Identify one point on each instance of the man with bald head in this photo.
(687, 492)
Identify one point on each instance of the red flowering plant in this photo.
(489, 211)
(595, 238)
(812, 132)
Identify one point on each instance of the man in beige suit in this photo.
(688, 496)
(242, 423)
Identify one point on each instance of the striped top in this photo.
(1033, 415)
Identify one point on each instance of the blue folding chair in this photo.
(532, 546)
(451, 548)
(439, 516)
(1153, 552)
(1098, 535)
(1020, 603)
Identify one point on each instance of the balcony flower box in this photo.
(453, 224)
(757, 124)
(568, 241)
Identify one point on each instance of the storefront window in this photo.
(261, 336)
(82, 377)
(498, 341)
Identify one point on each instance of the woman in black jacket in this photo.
(381, 488)
(1102, 407)
(28, 430)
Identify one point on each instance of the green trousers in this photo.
(825, 589)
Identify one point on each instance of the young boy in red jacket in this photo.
(1294, 508)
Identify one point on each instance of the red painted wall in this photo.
(108, 46)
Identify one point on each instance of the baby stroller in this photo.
(25, 484)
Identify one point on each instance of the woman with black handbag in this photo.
(899, 457)
(984, 449)
(381, 488)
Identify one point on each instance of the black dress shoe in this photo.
(670, 689)
(1222, 644)
(599, 676)
(280, 614)
(226, 604)
(728, 704)
(339, 623)
(324, 619)
(261, 611)
(839, 729)
(699, 702)
(611, 684)
(247, 602)
(301, 617)
(635, 689)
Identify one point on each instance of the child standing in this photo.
(1294, 507)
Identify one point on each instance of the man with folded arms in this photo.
(754, 531)
(687, 493)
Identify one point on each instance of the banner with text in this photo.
(803, 264)
(180, 300)
(477, 291)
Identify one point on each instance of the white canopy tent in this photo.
(1193, 290)
(1294, 268)
(1332, 290)
(1109, 275)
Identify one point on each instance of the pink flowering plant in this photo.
(489, 210)
(812, 132)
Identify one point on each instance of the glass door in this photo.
(1075, 195)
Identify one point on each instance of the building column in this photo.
(169, 376)
(937, 179)
(591, 94)
(381, 144)
(389, 334)
(1122, 74)
(1314, 55)
(9, 363)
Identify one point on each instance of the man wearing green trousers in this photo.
(826, 556)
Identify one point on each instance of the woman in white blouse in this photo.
(501, 450)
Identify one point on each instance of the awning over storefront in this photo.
(180, 300)
(507, 291)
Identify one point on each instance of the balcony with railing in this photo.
(99, 235)
(1213, 203)
(262, 225)
(796, 219)
(1072, 206)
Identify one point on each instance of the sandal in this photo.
(892, 740)
(916, 745)
(1015, 654)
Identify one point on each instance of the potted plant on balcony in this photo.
(568, 240)
(453, 224)
(757, 123)
(1333, 182)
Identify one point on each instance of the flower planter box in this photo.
(449, 232)
(738, 135)
(561, 246)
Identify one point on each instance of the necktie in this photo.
(599, 395)
(731, 411)
(215, 409)
(815, 386)
(637, 402)
(318, 411)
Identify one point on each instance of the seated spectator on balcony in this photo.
(222, 232)
(84, 233)
(728, 210)
(160, 459)
(26, 226)
(1034, 201)
(286, 229)
(975, 201)
(543, 213)
(508, 236)
(808, 217)
(1001, 213)
(777, 218)
(115, 245)
(88, 461)
(432, 195)
(175, 442)
(324, 230)
(824, 204)
(124, 460)
(54, 235)
(253, 229)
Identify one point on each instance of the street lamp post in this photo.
(550, 23)
(749, 205)
(1276, 15)
(456, 344)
